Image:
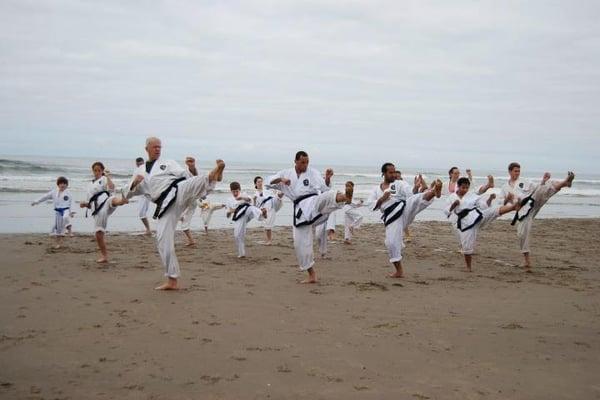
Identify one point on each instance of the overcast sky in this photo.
(424, 84)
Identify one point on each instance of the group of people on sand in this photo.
(175, 191)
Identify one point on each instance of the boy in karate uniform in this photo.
(61, 200)
(399, 205)
(472, 213)
(271, 201)
(172, 188)
(352, 218)
(102, 203)
(532, 198)
(241, 211)
(313, 202)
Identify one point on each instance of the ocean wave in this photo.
(21, 166)
(22, 190)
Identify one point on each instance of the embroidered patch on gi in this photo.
(163, 167)
(305, 182)
(66, 198)
(521, 185)
(393, 187)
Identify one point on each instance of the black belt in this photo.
(463, 214)
(524, 201)
(160, 211)
(240, 211)
(386, 213)
(94, 201)
(298, 214)
(262, 203)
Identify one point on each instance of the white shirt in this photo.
(97, 186)
(399, 190)
(307, 182)
(520, 188)
(469, 200)
(160, 177)
(59, 199)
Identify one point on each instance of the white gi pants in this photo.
(186, 218)
(352, 219)
(144, 203)
(188, 191)
(324, 204)
(61, 221)
(239, 228)
(542, 194)
(101, 217)
(468, 238)
(394, 232)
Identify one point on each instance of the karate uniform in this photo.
(532, 197)
(471, 215)
(207, 212)
(352, 219)
(313, 202)
(398, 212)
(61, 202)
(188, 213)
(144, 204)
(99, 199)
(172, 188)
(270, 200)
(243, 212)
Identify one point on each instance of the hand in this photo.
(137, 180)
(386, 195)
(328, 173)
(469, 172)
(546, 177)
(493, 196)
(286, 181)
(455, 204)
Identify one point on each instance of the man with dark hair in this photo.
(399, 205)
(144, 202)
(313, 202)
(171, 188)
(532, 198)
(473, 212)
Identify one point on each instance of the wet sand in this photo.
(70, 329)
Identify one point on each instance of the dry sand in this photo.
(70, 329)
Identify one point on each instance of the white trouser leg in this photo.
(394, 234)
(414, 205)
(542, 194)
(59, 224)
(468, 238)
(347, 232)
(321, 232)
(143, 207)
(188, 191)
(239, 234)
(303, 244)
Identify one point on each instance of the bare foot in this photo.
(263, 211)
(437, 188)
(57, 246)
(217, 173)
(268, 243)
(167, 286)
(545, 178)
(148, 233)
(396, 275)
(102, 260)
(190, 244)
(467, 269)
(490, 183)
(241, 257)
(346, 241)
(309, 280)
(312, 277)
(570, 178)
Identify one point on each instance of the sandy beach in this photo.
(70, 329)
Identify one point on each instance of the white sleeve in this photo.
(271, 178)
(451, 199)
(46, 197)
(319, 182)
(372, 199)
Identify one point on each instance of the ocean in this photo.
(25, 179)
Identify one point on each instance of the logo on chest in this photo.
(305, 182)
(66, 198)
(163, 167)
(521, 185)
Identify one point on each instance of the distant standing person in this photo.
(271, 201)
(532, 198)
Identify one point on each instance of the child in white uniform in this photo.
(352, 218)
(61, 200)
(271, 201)
(102, 203)
(532, 198)
(206, 211)
(241, 211)
(471, 213)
